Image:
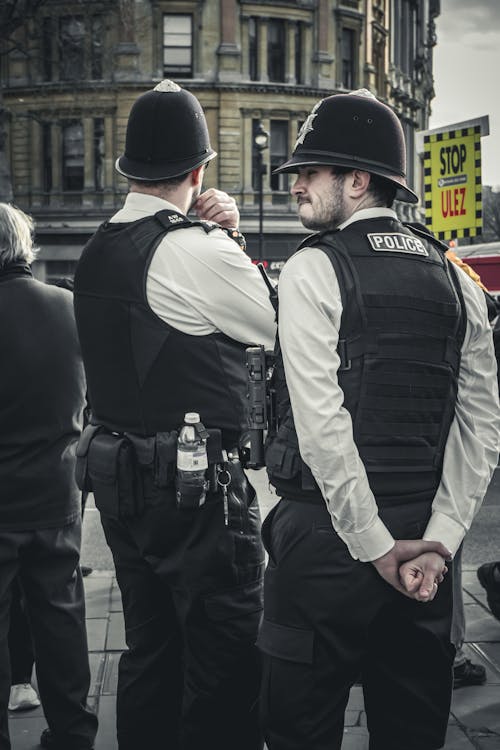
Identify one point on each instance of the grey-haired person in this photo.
(42, 395)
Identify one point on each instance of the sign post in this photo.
(452, 178)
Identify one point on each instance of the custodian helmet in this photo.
(354, 130)
(167, 135)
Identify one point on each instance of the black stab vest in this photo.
(401, 333)
(143, 375)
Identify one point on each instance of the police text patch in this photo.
(397, 243)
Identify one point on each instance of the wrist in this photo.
(236, 235)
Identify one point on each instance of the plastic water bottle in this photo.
(192, 463)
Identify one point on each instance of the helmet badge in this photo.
(167, 86)
(307, 127)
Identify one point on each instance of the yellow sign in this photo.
(452, 182)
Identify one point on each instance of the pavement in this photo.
(475, 712)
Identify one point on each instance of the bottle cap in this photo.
(191, 417)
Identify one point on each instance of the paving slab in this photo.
(106, 733)
(478, 708)
(96, 633)
(115, 640)
(355, 738)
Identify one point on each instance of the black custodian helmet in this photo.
(167, 135)
(354, 130)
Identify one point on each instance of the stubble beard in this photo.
(331, 212)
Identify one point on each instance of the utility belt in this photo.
(129, 472)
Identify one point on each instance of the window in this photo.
(73, 155)
(178, 45)
(378, 46)
(404, 25)
(71, 49)
(47, 61)
(299, 63)
(47, 157)
(253, 49)
(96, 42)
(410, 152)
(276, 50)
(279, 153)
(348, 58)
(98, 153)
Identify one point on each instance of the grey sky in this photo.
(467, 73)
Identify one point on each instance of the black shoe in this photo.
(489, 582)
(468, 673)
(86, 570)
(50, 742)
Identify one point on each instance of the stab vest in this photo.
(143, 375)
(402, 329)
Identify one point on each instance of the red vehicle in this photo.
(485, 260)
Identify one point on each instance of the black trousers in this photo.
(46, 563)
(21, 653)
(191, 588)
(330, 621)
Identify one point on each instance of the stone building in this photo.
(77, 66)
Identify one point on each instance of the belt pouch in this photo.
(165, 458)
(111, 464)
(82, 449)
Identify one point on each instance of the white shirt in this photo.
(309, 324)
(203, 283)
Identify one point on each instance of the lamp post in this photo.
(261, 142)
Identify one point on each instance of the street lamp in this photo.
(261, 142)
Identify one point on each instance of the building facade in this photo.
(77, 66)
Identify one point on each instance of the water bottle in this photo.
(192, 463)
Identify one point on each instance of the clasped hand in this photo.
(415, 568)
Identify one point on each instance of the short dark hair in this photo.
(171, 183)
(382, 190)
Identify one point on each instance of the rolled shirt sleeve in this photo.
(471, 452)
(203, 283)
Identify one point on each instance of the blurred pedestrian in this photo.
(23, 696)
(489, 578)
(385, 390)
(42, 394)
(165, 307)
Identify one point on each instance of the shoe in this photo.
(86, 570)
(48, 741)
(23, 697)
(490, 582)
(468, 673)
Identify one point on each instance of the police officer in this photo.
(385, 383)
(165, 307)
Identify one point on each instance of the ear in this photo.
(357, 183)
(197, 176)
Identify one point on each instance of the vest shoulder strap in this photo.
(175, 220)
(354, 341)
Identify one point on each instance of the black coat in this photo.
(42, 395)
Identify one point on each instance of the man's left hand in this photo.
(422, 575)
(219, 207)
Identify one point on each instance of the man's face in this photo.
(320, 197)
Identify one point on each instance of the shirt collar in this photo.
(139, 205)
(376, 212)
